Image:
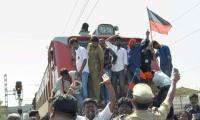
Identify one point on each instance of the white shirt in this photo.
(103, 115)
(161, 79)
(81, 55)
(121, 57)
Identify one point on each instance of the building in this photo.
(182, 98)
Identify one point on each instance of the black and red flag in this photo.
(157, 23)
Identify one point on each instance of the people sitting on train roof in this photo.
(125, 107)
(13, 116)
(62, 85)
(64, 108)
(90, 110)
(84, 30)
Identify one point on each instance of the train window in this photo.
(105, 29)
(52, 61)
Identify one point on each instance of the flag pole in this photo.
(155, 60)
(149, 24)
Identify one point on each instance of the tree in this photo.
(2, 112)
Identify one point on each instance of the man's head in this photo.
(64, 73)
(156, 45)
(13, 116)
(64, 108)
(95, 41)
(74, 43)
(142, 96)
(124, 106)
(90, 108)
(194, 100)
(84, 27)
(132, 43)
(118, 41)
(34, 115)
(102, 43)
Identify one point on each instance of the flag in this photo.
(157, 23)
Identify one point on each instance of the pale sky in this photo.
(28, 26)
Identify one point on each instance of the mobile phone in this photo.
(175, 71)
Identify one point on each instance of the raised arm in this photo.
(172, 90)
(146, 42)
(111, 94)
(110, 45)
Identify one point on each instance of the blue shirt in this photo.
(165, 57)
(134, 55)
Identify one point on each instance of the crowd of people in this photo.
(97, 90)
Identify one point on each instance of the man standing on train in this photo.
(164, 53)
(81, 65)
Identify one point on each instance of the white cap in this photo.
(142, 93)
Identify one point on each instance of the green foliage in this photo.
(2, 112)
(2, 118)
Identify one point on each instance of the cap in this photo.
(142, 93)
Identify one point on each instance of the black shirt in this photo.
(146, 57)
(109, 58)
(190, 110)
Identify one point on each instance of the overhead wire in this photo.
(186, 36)
(196, 67)
(80, 15)
(92, 10)
(70, 16)
(182, 15)
(186, 12)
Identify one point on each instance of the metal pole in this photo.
(149, 24)
(181, 103)
(6, 90)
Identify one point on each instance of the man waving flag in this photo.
(157, 23)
